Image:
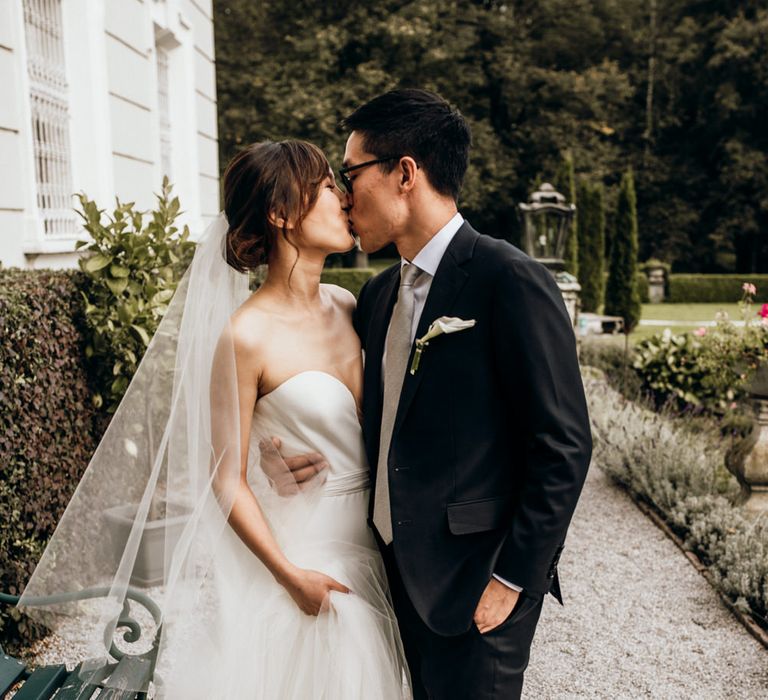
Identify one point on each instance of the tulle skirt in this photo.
(251, 640)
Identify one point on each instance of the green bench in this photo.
(110, 680)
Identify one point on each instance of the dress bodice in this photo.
(313, 411)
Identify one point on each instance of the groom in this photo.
(479, 450)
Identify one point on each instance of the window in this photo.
(50, 116)
(163, 110)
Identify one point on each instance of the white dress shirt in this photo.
(427, 260)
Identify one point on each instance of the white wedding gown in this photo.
(256, 642)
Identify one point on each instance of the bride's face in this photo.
(325, 227)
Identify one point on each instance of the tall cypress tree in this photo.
(565, 183)
(591, 235)
(622, 297)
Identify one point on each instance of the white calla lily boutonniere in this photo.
(444, 324)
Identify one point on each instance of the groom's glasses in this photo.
(349, 168)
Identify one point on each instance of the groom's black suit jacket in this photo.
(492, 441)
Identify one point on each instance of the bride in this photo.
(271, 584)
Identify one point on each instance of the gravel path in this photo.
(638, 621)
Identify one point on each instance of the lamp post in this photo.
(546, 219)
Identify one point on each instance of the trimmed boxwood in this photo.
(692, 289)
(352, 279)
(46, 421)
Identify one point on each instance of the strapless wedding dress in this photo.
(258, 643)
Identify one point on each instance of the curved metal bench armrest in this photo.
(124, 620)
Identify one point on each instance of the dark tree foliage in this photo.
(565, 183)
(591, 233)
(622, 297)
(677, 89)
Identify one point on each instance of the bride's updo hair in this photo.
(282, 179)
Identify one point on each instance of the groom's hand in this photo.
(495, 606)
(289, 474)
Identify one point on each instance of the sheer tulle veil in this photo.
(145, 545)
(150, 512)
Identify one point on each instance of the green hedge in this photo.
(352, 279)
(642, 287)
(47, 433)
(692, 289)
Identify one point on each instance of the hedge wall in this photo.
(691, 289)
(642, 287)
(352, 279)
(46, 420)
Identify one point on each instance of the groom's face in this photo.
(374, 205)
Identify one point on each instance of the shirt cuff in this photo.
(508, 584)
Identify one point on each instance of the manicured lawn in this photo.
(690, 312)
(683, 317)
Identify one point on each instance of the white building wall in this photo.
(17, 181)
(110, 55)
(201, 14)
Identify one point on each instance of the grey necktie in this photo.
(398, 350)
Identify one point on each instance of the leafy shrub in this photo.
(671, 366)
(352, 279)
(46, 420)
(681, 474)
(710, 368)
(608, 355)
(132, 273)
(700, 289)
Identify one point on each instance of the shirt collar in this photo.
(429, 257)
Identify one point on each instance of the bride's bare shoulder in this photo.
(248, 327)
(343, 297)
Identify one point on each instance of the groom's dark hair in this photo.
(420, 124)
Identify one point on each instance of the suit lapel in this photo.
(372, 399)
(449, 280)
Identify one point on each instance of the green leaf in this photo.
(163, 296)
(117, 286)
(119, 271)
(97, 262)
(141, 332)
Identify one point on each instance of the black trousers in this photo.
(474, 666)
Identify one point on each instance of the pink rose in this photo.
(749, 288)
(763, 313)
(703, 331)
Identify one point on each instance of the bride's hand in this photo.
(310, 589)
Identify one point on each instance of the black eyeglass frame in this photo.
(349, 168)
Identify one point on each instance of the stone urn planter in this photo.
(148, 569)
(657, 280)
(748, 461)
